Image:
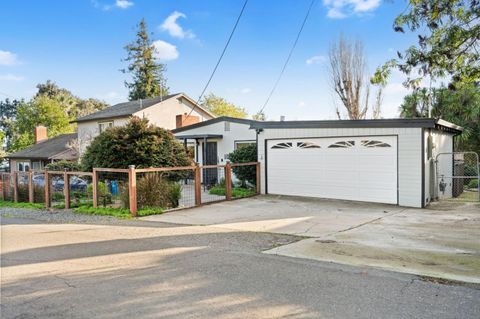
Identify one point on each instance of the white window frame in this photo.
(102, 126)
(247, 142)
(24, 164)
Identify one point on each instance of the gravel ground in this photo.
(68, 216)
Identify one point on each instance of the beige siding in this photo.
(409, 154)
(87, 131)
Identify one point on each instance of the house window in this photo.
(227, 126)
(23, 166)
(307, 145)
(37, 165)
(372, 143)
(282, 145)
(243, 144)
(342, 144)
(102, 126)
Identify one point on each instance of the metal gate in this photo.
(457, 176)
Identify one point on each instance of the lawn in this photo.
(4, 203)
(116, 212)
(237, 192)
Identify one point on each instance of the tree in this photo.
(221, 107)
(260, 116)
(148, 79)
(8, 113)
(73, 106)
(448, 34)
(41, 110)
(137, 143)
(348, 69)
(460, 106)
(245, 154)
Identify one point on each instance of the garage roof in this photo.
(381, 123)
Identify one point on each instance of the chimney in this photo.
(40, 134)
(185, 120)
(282, 118)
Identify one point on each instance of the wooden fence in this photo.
(132, 182)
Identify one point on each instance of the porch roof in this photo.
(198, 136)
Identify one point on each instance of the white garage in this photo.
(385, 161)
(361, 168)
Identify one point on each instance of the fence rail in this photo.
(170, 187)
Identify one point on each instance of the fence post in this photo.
(47, 189)
(257, 171)
(30, 187)
(228, 181)
(95, 187)
(15, 187)
(198, 186)
(2, 184)
(132, 189)
(66, 189)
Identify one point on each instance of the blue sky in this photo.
(79, 45)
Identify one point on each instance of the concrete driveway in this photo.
(286, 215)
(442, 241)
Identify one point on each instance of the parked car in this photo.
(76, 183)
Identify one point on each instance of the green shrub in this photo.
(4, 203)
(237, 192)
(137, 143)
(104, 196)
(64, 165)
(245, 154)
(473, 183)
(154, 190)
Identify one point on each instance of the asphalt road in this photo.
(52, 270)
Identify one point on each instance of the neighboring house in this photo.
(169, 112)
(385, 161)
(44, 151)
(221, 136)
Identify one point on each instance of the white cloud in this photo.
(301, 104)
(165, 51)
(395, 88)
(317, 59)
(338, 9)
(11, 77)
(120, 4)
(174, 29)
(245, 90)
(123, 4)
(8, 58)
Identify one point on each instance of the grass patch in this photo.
(115, 212)
(4, 203)
(237, 192)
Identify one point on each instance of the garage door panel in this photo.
(358, 168)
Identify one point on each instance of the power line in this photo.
(289, 56)
(219, 60)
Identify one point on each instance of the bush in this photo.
(64, 165)
(137, 143)
(103, 194)
(154, 190)
(473, 183)
(245, 154)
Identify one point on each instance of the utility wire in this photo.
(219, 60)
(289, 56)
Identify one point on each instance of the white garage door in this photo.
(353, 168)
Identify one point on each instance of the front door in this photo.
(211, 174)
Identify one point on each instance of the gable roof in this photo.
(380, 123)
(213, 121)
(129, 108)
(47, 149)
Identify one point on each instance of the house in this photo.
(386, 161)
(44, 151)
(169, 112)
(214, 139)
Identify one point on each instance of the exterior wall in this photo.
(238, 132)
(164, 114)
(87, 131)
(441, 142)
(14, 161)
(409, 154)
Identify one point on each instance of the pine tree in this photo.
(148, 78)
